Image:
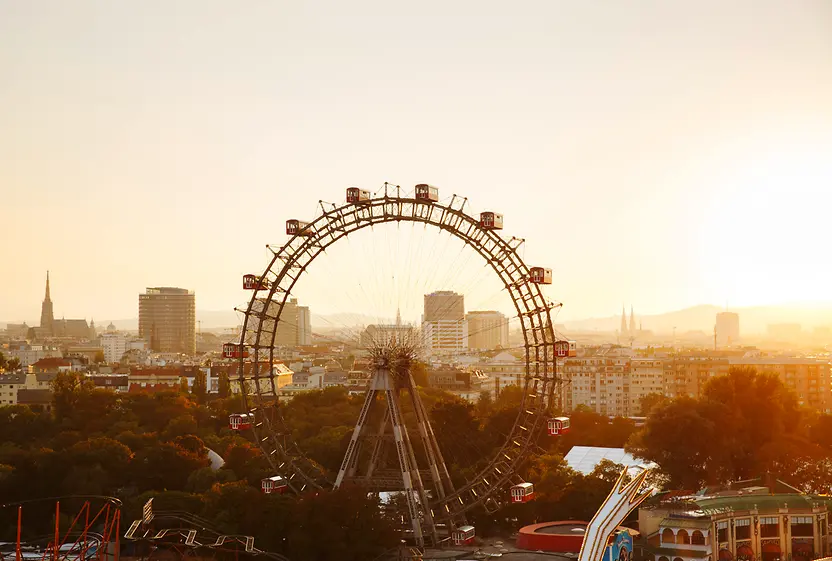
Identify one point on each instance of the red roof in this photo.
(52, 362)
(156, 371)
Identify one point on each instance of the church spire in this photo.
(632, 322)
(47, 319)
(398, 316)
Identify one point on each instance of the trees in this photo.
(165, 466)
(224, 385)
(651, 401)
(68, 388)
(680, 438)
(745, 424)
(200, 387)
(8, 364)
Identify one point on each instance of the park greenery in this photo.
(140, 445)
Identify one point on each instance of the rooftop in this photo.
(584, 458)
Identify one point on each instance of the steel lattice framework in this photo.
(290, 261)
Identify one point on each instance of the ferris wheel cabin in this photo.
(274, 484)
(233, 350)
(240, 421)
(522, 493)
(425, 192)
(564, 349)
(558, 426)
(491, 221)
(540, 275)
(298, 228)
(357, 196)
(464, 535)
(251, 282)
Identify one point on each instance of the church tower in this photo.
(47, 319)
(633, 331)
(624, 334)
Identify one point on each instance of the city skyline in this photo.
(656, 154)
(757, 320)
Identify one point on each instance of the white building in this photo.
(29, 354)
(504, 369)
(445, 337)
(444, 329)
(114, 345)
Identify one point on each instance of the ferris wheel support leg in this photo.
(412, 481)
(438, 468)
(351, 457)
(378, 446)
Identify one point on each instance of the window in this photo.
(801, 526)
(722, 531)
(769, 526)
(742, 529)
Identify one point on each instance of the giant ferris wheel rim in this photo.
(336, 223)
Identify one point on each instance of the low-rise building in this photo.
(115, 382)
(10, 384)
(272, 378)
(29, 354)
(754, 522)
(52, 364)
(152, 379)
(503, 369)
(39, 398)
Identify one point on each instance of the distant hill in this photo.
(753, 320)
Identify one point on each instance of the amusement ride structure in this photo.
(381, 454)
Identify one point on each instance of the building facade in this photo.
(749, 524)
(382, 333)
(600, 381)
(167, 320)
(294, 327)
(444, 330)
(612, 381)
(304, 326)
(487, 330)
(114, 345)
(727, 329)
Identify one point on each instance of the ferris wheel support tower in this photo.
(375, 471)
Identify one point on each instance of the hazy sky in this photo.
(659, 153)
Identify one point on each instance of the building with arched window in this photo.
(752, 523)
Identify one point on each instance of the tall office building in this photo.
(304, 326)
(444, 305)
(487, 330)
(294, 328)
(443, 325)
(167, 319)
(727, 328)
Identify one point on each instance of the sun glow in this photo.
(767, 234)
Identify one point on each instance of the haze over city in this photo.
(661, 154)
(378, 281)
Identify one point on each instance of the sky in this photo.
(655, 154)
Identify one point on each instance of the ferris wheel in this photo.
(380, 454)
